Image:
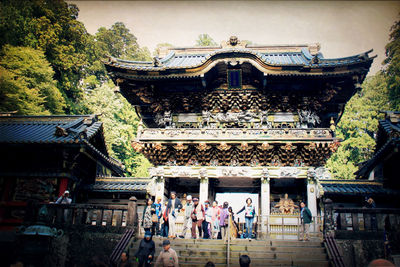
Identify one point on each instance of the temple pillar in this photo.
(265, 203)
(312, 196)
(160, 188)
(203, 196)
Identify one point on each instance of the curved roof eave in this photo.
(205, 59)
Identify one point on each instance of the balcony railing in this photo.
(70, 215)
(236, 134)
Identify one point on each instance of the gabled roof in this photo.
(355, 188)
(64, 129)
(272, 60)
(119, 184)
(184, 61)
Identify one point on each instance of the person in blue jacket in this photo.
(250, 212)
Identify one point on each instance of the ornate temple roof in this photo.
(121, 184)
(85, 130)
(272, 60)
(355, 188)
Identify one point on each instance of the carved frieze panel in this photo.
(227, 171)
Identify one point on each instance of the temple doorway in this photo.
(237, 200)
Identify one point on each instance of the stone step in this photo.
(276, 263)
(253, 254)
(197, 252)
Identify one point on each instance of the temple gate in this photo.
(240, 117)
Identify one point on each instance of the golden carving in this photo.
(286, 205)
(180, 146)
(265, 146)
(137, 146)
(224, 146)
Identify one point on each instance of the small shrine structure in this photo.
(240, 118)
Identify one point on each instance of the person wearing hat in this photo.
(174, 206)
(64, 199)
(187, 222)
(167, 257)
(146, 250)
(207, 220)
(197, 216)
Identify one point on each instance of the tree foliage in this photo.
(26, 83)
(358, 126)
(392, 62)
(118, 42)
(205, 40)
(50, 26)
(120, 125)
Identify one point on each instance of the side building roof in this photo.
(121, 184)
(85, 130)
(387, 141)
(355, 188)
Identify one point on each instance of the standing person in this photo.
(187, 221)
(164, 219)
(158, 211)
(224, 221)
(146, 250)
(64, 199)
(197, 217)
(249, 214)
(215, 216)
(147, 215)
(232, 223)
(167, 257)
(306, 218)
(174, 206)
(207, 220)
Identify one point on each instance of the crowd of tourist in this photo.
(203, 220)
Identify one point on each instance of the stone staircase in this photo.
(262, 253)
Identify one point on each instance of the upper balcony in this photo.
(235, 135)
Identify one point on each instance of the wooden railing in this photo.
(66, 215)
(364, 219)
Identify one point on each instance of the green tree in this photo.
(120, 126)
(205, 40)
(392, 62)
(118, 42)
(27, 84)
(358, 125)
(50, 26)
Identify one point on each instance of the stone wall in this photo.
(360, 252)
(83, 247)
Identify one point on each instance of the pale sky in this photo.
(343, 28)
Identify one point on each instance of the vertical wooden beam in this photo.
(132, 212)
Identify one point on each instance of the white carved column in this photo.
(203, 190)
(312, 198)
(265, 201)
(203, 194)
(160, 187)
